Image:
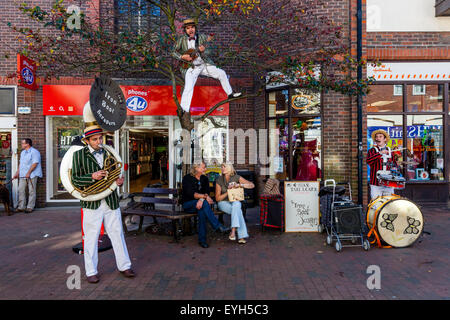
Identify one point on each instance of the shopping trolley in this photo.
(340, 217)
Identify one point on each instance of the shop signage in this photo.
(410, 71)
(26, 71)
(69, 100)
(108, 104)
(24, 110)
(302, 206)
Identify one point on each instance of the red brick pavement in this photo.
(270, 266)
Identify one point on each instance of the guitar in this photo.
(194, 53)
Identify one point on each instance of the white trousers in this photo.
(23, 183)
(92, 223)
(379, 191)
(190, 79)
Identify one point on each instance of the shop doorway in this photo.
(147, 158)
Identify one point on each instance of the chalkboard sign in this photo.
(302, 206)
(108, 104)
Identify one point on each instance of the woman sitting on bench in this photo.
(196, 199)
(229, 179)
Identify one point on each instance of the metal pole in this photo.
(359, 103)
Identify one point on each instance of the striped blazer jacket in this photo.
(83, 166)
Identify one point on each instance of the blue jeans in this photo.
(205, 213)
(237, 218)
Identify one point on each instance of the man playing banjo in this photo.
(87, 168)
(378, 156)
(197, 62)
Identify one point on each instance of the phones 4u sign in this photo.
(26, 70)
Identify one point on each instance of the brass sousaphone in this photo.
(105, 111)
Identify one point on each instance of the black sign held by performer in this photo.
(108, 104)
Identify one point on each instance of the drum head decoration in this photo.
(108, 104)
(400, 223)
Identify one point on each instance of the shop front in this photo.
(8, 139)
(411, 102)
(145, 142)
(295, 114)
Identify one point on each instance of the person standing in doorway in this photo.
(29, 171)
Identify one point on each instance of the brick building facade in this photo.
(334, 128)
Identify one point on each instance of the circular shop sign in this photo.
(108, 103)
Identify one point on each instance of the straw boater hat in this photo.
(383, 132)
(189, 22)
(91, 127)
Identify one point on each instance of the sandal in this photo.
(242, 241)
(232, 238)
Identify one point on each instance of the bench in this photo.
(145, 207)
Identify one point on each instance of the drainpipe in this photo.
(359, 102)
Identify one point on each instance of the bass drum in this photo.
(66, 179)
(394, 220)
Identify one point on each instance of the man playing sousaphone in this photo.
(87, 168)
(192, 49)
(378, 155)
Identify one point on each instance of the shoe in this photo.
(20, 210)
(242, 241)
(128, 273)
(234, 95)
(232, 238)
(93, 279)
(28, 210)
(223, 229)
(203, 245)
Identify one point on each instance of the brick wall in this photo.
(408, 45)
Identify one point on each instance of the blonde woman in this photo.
(196, 199)
(229, 179)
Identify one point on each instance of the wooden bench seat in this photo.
(145, 206)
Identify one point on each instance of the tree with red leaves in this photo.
(287, 41)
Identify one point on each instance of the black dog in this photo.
(5, 198)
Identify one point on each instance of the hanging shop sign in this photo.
(108, 103)
(410, 71)
(26, 71)
(69, 100)
(302, 206)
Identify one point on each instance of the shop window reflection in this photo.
(278, 103)
(280, 163)
(425, 97)
(385, 98)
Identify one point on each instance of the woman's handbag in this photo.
(236, 194)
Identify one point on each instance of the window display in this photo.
(425, 148)
(306, 141)
(62, 131)
(393, 125)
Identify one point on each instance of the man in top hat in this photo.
(86, 170)
(202, 65)
(375, 160)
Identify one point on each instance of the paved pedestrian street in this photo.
(36, 252)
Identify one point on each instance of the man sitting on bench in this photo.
(196, 199)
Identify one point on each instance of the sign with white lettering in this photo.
(302, 206)
(108, 104)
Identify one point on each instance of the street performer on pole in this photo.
(192, 49)
(377, 157)
(87, 168)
